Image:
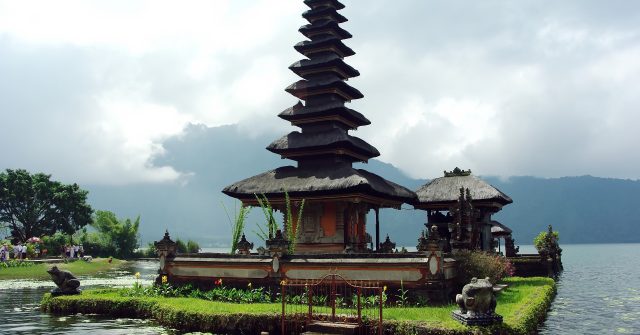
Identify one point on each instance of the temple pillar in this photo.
(377, 210)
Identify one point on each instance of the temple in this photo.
(461, 205)
(337, 195)
(331, 198)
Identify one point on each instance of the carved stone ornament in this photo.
(387, 246)
(477, 304)
(244, 246)
(165, 249)
(422, 242)
(166, 246)
(67, 283)
(277, 245)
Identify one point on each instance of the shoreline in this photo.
(78, 267)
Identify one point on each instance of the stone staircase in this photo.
(331, 328)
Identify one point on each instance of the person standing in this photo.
(76, 248)
(24, 251)
(3, 252)
(17, 251)
(72, 251)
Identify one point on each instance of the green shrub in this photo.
(181, 247)
(150, 251)
(481, 265)
(548, 242)
(97, 245)
(193, 247)
(54, 243)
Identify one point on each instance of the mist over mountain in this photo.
(583, 209)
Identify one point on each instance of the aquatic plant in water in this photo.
(15, 264)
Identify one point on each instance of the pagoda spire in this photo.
(322, 147)
(323, 118)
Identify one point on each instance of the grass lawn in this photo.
(79, 267)
(523, 305)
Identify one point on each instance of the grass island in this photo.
(523, 304)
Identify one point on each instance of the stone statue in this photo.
(477, 303)
(67, 283)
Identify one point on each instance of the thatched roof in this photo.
(334, 138)
(314, 3)
(445, 190)
(330, 107)
(323, 12)
(318, 181)
(498, 229)
(328, 62)
(326, 27)
(302, 89)
(328, 42)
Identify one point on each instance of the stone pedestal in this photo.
(58, 292)
(476, 319)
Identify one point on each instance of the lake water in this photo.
(598, 293)
(20, 306)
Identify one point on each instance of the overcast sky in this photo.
(89, 90)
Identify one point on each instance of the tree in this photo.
(35, 205)
(547, 242)
(121, 234)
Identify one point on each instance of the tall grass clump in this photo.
(269, 230)
(293, 231)
(237, 224)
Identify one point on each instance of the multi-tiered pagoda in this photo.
(337, 195)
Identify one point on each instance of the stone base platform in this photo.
(477, 319)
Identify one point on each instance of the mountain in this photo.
(583, 209)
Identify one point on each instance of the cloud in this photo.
(523, 88)
(90, 94)
(91, 90)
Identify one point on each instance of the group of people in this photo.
(73, 251)
(19, 252)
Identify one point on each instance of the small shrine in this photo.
(501, 232)
(461, 205)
